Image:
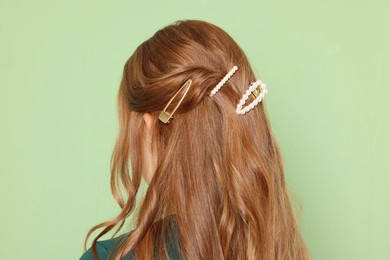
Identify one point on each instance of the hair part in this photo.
(218, 173)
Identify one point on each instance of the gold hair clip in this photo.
(165, 116)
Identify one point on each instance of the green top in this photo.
(104, 248)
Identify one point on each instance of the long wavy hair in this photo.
(220, 174)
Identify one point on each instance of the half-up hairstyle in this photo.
(219, 182)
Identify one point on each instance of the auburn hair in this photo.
(220, 174)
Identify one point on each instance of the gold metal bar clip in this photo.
(166, 116)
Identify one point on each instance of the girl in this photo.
(192, 124)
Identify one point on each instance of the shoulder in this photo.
(104, 248)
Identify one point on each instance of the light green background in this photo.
(326, 64)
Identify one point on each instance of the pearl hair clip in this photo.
(223, 81)
(253, 89)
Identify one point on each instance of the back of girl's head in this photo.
(218, 173)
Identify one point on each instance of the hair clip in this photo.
(165, 116)
(223, 81)
(253, 89)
